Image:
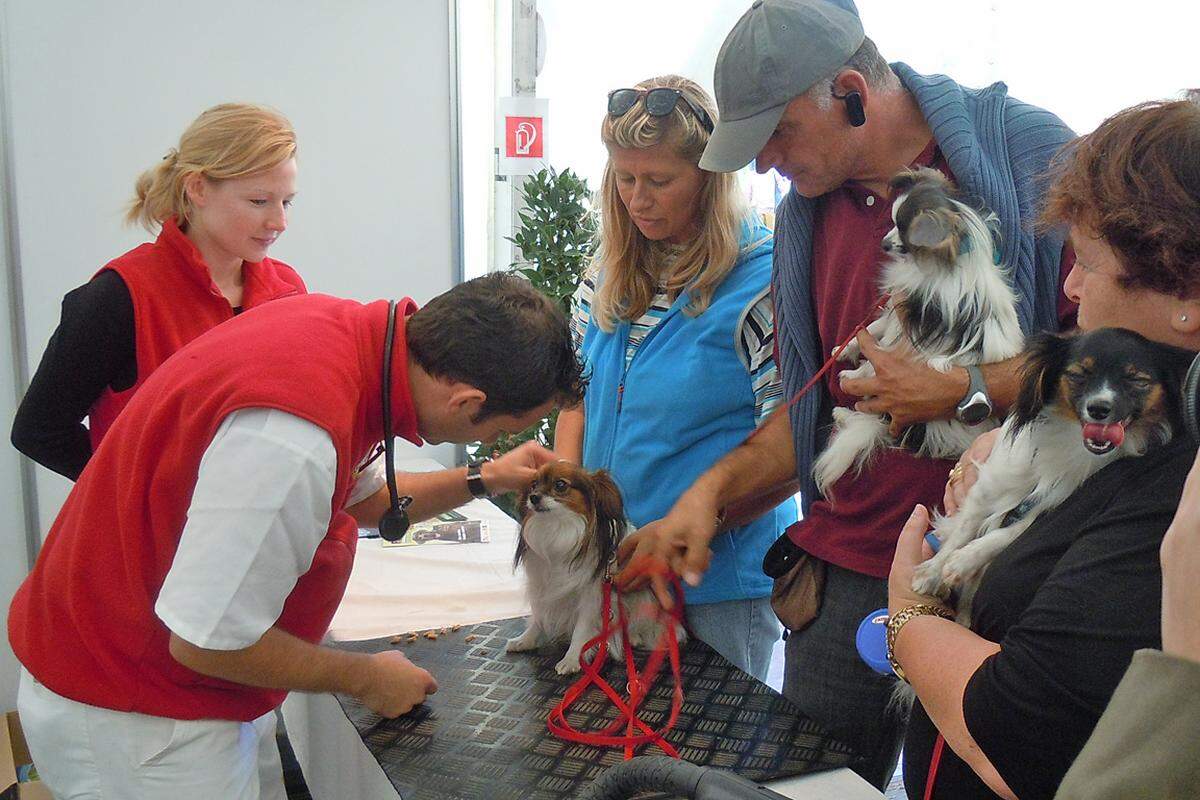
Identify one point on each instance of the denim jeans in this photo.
(744, 631)
(824, 675)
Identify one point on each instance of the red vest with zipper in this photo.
(174, 301)
(83, 622)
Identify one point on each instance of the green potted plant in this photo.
(555, 241)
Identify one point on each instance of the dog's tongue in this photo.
(1113, 432)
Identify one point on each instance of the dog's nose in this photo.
(1098, 410)
(534, 499)
(887, 246)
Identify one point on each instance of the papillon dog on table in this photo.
(573, 522)
(1085, 401)
(948, 299)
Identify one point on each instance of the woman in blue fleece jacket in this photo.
(675, 323)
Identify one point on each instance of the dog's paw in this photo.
(863, 370)
(841, 414)
(927, 579)
(522, 644)
(961, 566)
(850, 353)
(569, 664)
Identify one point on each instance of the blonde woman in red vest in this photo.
(218, 202)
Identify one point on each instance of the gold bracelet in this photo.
(894, 624)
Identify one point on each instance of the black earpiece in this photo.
(394, 522)
(854, 108)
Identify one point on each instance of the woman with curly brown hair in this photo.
(1059, 613)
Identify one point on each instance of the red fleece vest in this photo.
(83, 622)
(174, 301)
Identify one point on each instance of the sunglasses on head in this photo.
(659, 103)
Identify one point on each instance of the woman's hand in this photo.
(966, 471)
(1180, 554)
(515, 470)
(911, 550)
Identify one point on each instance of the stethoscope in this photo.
(394, 522)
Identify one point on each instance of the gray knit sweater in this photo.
(999, 149)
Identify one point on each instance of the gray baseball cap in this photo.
(775, 52)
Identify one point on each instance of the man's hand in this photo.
(966, 471)
(514, 471)
(392, 685)
(676, 543)
(904, 386)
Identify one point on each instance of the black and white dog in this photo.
(574, 520)
(948, 299)
(1085, 402)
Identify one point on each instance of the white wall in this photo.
(99, 91)
(13, 524)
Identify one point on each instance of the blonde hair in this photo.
(623, 254)
(230, 140)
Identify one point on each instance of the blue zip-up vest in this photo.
(684, 401)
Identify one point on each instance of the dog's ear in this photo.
(1045, 358)
(904, 180)
(1174, 363)
(610, 515)
(935, 230)
(526, 513)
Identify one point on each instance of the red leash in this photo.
(880, 305)
(935, 761)
(636, 732)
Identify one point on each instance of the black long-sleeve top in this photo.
(1070, 602)
(93, 348)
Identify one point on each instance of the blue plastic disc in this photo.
(871, 640)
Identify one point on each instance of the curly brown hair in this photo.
(1135, 181)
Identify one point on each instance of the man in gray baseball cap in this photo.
(776, 52)
(801, 90)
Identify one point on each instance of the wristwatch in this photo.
(475, 478)
(975, 405)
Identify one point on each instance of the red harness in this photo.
(636, 732)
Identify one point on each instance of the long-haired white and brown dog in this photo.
(574, 520)
(948, 300)
(1085, 402)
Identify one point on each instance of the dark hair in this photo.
(500, 335)
(1135, 181)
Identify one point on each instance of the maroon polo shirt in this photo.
(859, 532)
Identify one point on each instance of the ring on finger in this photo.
(956, 473)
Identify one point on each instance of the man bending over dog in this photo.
(198, 561)
(802, 91)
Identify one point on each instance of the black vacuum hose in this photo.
(662, 774)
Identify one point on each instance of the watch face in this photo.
(975, 411)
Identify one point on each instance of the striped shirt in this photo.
(756, 340)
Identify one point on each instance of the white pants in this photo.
(83, 752)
